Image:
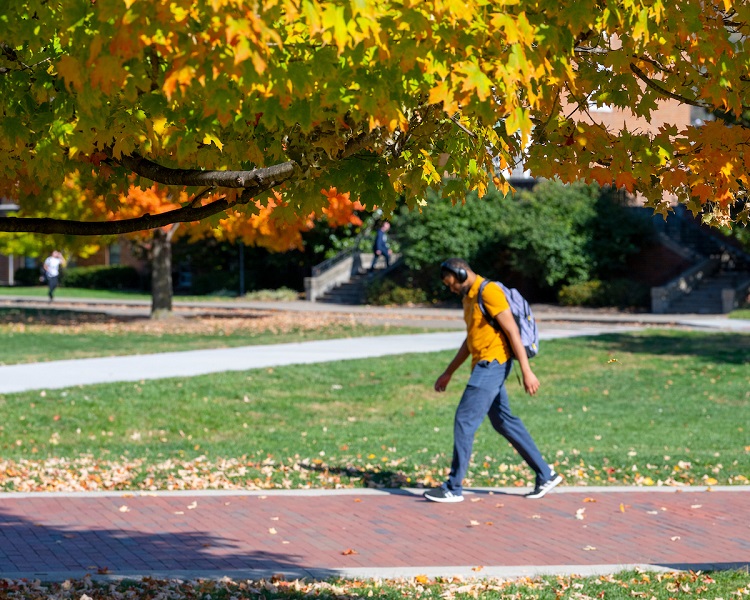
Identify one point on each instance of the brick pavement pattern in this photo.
(335, 533)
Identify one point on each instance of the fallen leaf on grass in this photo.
(423, 579)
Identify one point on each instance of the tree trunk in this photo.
(161, 274)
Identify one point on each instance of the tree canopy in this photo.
(229, 99)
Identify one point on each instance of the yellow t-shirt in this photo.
(484, 342)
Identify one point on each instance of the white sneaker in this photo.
(542, 488)
(442, 494)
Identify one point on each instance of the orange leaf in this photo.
(349, 552)
(70, 70)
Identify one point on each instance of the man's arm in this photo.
(458, 360)
(508, 323)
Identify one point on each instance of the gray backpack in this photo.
(521, 311)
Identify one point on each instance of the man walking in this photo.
(51, 268)
(492, 355)
(380, 246)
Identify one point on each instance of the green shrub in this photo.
(552, 236)
(586, 293)
(215, 281)
(385, 291)
(622, 293)
(283, 294)
(116, 277)
(27, 276)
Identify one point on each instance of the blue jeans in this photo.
(485, 394)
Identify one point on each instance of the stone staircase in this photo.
(717, 283)
(349, 292)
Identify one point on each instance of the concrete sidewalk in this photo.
(371, 533)
(87, 371)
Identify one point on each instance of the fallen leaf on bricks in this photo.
(349, 552)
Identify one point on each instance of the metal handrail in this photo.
(329, 263)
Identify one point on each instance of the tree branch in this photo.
(665, 92)
(256, 178)
(255, 182)
(64, 226)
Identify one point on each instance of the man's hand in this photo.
(530, 382)
(442, 382)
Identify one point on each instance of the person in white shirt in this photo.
(52, 266)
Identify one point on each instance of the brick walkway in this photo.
(370, 533)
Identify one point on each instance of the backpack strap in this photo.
(483, 309)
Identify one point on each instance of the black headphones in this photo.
(459, 272)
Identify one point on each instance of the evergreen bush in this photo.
(114, 277)
(28, 276)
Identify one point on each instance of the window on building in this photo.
(115, 254)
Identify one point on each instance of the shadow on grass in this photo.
(371, 478)
(56, 316)
(729, 348)
(64, 316)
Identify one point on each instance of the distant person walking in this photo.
(52, 265)
(492, 355)
(380, 246)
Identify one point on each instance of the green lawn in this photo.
(639, 408)
(39, 291)
(25, 338)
